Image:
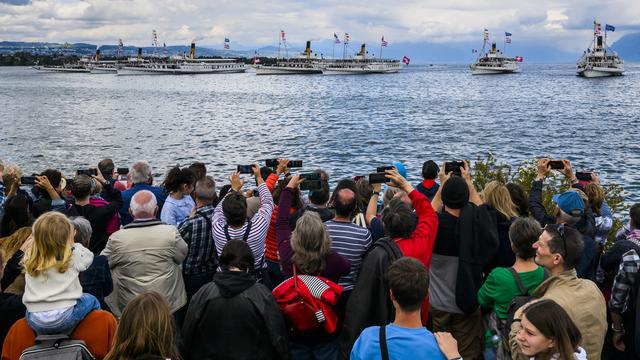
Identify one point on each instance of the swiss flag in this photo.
(406, 60)
(519, 59)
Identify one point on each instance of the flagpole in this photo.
(381, 48)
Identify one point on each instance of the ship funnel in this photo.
(493, 47)
(307, 50)
(192, 52)
(363, 50)
(599, 42)
(139, 54)
(97, 54)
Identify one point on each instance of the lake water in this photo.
(345, 124)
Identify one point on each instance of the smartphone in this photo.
(583, 176)
(69, 184)
(271, 162)
(28, 180)
(556, 164)
(378, 178)
(123, 171)
(311, 185)
(294, 164)
(454, 167)
(310, 176)
(245, 169)
(381, 169)
(88, 172)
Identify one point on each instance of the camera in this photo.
(454, 167)
(583, 176)
(381, 169)
(245, 169)
(556, 164)
(271, 162)
(294, 164)
(311, 185)
(378, 178)
(88, 172)
(28, 180)
(310, 176)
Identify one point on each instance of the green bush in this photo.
(490, 168)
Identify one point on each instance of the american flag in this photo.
(406, 60)
(508, 40)
(384, 43)
(346, 38)
(336, 39)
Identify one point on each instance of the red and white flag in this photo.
(598, 28)
(406, 60)
(519, 59)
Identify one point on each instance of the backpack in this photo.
(307, 301)
(516, 303)
(57, 347)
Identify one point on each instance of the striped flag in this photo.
(406, 60)
(598, 28)
(336, 39)
(226, 43)
(507, 40)
(486, 34)
(346, 38)
(384, 43)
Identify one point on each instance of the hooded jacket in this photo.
(233, 317)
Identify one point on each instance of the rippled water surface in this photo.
(346, 124)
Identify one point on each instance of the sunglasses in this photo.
(560, 229)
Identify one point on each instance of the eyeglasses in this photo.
(560, 229)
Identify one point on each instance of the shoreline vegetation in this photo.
(29, 59)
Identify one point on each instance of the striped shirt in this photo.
(259, 226)
(350, 241)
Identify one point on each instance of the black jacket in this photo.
(233, 317)
(369, 303)
(99, 217)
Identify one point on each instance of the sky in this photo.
(254, 23)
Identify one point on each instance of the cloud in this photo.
(564, 24)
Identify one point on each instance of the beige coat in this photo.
(584, 303)
(144, 256)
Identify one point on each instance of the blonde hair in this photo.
(596, 196)
(497, 195)
(53, 236)
(311, 243)
(146, 328)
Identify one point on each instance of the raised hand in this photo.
(236, 181)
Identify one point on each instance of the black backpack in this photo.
(517, 302)
(57, 347)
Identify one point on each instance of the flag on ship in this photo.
(120, 42)
(226, 43)
(336, 39)
(608, 27)
(406, 60)
(256, 59)
(473, 51)
(283, 37)
(346, 38)
(486, 34)
(598, 27)
(507, 34)
(519, 59)
(384, 43)
(507, 40)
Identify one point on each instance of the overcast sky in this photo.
(256, 23)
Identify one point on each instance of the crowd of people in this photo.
(119, 268)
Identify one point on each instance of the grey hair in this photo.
(83, 230)
(206, 189)
(147, 208)
(140, 172)
(311, 243)
(566, 218)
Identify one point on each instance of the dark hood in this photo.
(232, 283)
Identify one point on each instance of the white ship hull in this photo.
(183, 70)
(285, 70)
(104, 70)
(482, 70)
(61, 69)
(362, 69)
(599, 72)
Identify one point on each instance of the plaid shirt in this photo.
(196, 232)
(624, 281)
